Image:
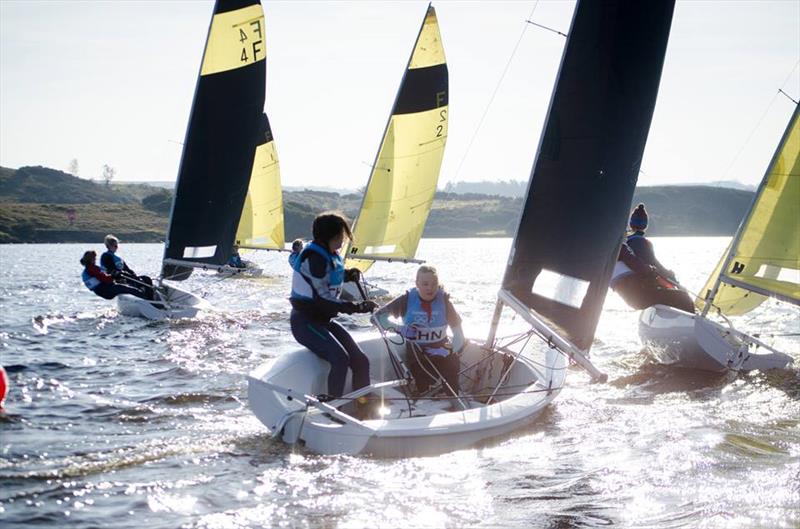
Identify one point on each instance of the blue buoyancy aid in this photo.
(90, 282)
(421, 327)
(306, 287)
(119, 264)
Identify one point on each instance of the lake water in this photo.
(120, 422)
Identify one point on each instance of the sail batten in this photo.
(763, 259)
(405, 174)
(225, 126)
(587, 164)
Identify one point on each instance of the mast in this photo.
(585, 171)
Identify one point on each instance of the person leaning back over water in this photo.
(426, 312)
(117, 268)
(639, 278)
(316, 285)
(103, 284)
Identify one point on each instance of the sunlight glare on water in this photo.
(117, 421)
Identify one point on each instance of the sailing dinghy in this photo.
(405, 173)
(762, 261)
(227, 145)
(587, 166)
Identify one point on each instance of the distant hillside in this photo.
(504, 188)
(517, 188)
(38, 204)
(693, 210)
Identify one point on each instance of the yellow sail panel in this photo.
(402, 187)
(403, 181)
(766, 257)
(428, 50)
(235, 39)
(261, 224)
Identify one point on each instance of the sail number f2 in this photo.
(442, 119)
(257, 41)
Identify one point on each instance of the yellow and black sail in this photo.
(404, 176)
(763, 259)
(261, 224)
(225, 126)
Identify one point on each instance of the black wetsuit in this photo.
(640, 286)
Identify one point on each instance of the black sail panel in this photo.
(224, 128)
(587, 166)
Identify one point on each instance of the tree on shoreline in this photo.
(108, 173)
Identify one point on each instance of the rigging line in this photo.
(545, 27)
(494, 93)
(780, 91)
(758, 124)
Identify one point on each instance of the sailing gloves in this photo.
(361, 307)
(352, 275)
(366, 306)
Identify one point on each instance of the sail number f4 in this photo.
(256, 38)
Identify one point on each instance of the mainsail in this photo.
(221, 139)
(763, 259)
(406, 170)
(261, 224)
(587, 165)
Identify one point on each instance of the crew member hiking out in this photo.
(639, 278)
(113, 265)
(103, 284)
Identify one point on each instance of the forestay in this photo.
(261, 224)
(404, 176)
(764, 257)
(221, 138)
(587, 165)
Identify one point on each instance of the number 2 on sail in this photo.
(442, 119)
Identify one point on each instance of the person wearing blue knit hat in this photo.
(639, 277)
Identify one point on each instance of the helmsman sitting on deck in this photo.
(103, 284)
(639, 278)
(113, 265)
(427, 312)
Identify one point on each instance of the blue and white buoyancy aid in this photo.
(430, 331)
(305, 285)
(119, 264)
(90, 282)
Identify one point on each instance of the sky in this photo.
(111, 82)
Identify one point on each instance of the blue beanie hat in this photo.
(639, 218)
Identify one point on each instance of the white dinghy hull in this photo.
(677, 338)
(432, 429)
(175, 303)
